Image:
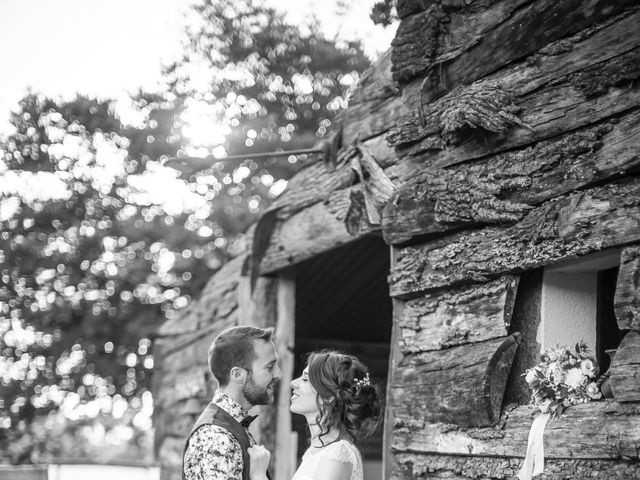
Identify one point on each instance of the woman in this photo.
(341, 406)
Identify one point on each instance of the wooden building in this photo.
(483, 203)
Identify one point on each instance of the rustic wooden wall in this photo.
(520, 149)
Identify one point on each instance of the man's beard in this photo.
(257, 395)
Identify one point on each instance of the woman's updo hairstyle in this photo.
(347, 400)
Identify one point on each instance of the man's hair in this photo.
(234, 347)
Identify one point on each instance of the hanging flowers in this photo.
(563, 378)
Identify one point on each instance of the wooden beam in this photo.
(462, 385)
(315, 183)
(285, 458)
(627, 297)
(457, 316)
(560, 229)
(442, 200)
(625, 369)
(309, 232)
(258, 308)
(410, 466)
(395, 357)
(595, 430)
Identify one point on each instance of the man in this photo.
(244, 362)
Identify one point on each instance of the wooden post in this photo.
(625, 369)
(394, 358)
(285, 461)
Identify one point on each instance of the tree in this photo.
(87, 268)
(269, 85)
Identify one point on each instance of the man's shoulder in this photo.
(210, 436)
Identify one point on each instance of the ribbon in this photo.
(534, 459)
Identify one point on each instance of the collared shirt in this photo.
(213, 452)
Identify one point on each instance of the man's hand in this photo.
(259, 458)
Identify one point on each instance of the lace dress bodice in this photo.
(341, 451)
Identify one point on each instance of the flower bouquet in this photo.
(563, 378)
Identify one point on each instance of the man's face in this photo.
(262, 380)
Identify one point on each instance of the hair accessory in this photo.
(363, 382)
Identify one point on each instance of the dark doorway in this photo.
(342, 302)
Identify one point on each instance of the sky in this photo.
(106, 47)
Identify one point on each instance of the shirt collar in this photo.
(230, 406)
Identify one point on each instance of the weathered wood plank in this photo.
(192, 380)
(457, 316)
(625, 369)
(411, 7)
(461, 385)
(374, 105)
(596, 430)
(485, 113)
(375, 83)
(177, 422)
(315, 183)
(411, 466)
(430, 34)
(285, 440)
(580, 67)
(627, 297)
(501, 189)
(559, 229)
(257, 308)
(309, 232)
(416, 42)
(170, 451)
(529, 28)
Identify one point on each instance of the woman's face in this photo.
(303, 395)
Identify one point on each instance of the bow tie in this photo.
(247, 420)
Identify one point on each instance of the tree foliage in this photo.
(99, 243)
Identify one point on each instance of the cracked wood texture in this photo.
(503, 188)
(598, 430)
(627, 299)
(625, 369)
(463, 385)
(580, 68)
(559, 229)
(529, 27)
(582, 157)
(457, 316)
(466, 467)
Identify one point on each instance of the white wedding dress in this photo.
(341, 451)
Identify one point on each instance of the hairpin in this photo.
(362, 382)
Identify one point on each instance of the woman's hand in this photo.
(259, 458)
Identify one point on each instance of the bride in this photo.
(341, 406)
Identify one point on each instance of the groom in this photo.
(244, 362)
